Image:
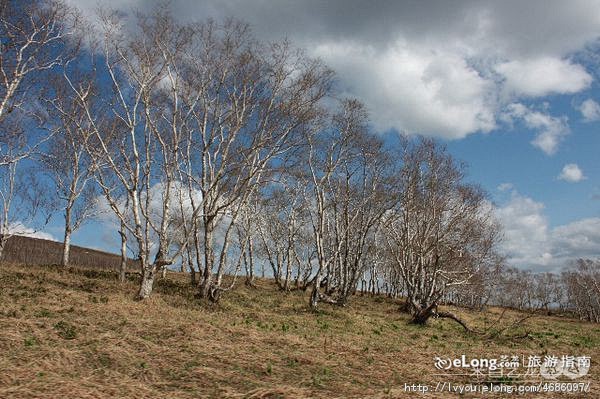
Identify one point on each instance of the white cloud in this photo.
(18, 228)
(505, 187)
(529, 242)
(571, 173)
(542, 76)
(551, 130)
(179, 191)
(525, 231)
(415, 90)
(580, 239)
(429, 67)
(155, 206)
(590, 110)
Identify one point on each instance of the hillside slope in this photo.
(78, 333)
(37, 251)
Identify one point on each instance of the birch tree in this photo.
(35, 37)
(248, 104)
(283, 235)
(360, 193)
(348, 174)
(203, 103)
(441, 232)
(34, 34)
(582, 282)
(67, 163)
(139, 150)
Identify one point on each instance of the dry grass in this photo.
(77, 333)
(36, 251)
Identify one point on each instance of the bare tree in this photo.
(68, 164)
(515, 290)
(547, 290)
(248, 102)
(21, 197)
(139, 150)
(35, 38)
(282, 228)
(326, 148)
(486, 287)
(582, 282)
(361, 192)
(349, 176)
(247, 227)
(123, 263)
(201, 105)
(442, 231)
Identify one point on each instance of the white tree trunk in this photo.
(123, 266)
(67, 238)
(146, 284)
(66, 247)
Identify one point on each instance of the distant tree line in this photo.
(222, 152)
(575, 290)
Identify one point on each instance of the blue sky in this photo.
(511, 87)
(507, 157)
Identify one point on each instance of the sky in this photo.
(511, 87)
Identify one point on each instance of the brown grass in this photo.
(36, 251)
(78, 333)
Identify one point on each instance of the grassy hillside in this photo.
(78, 333)
(36, 251)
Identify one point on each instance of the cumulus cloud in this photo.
(542, 76)
(530, 243)
(426, 67)
(526, 236)
(180, 204)
(551, 130)
(414, 90)
(590, 110)
(571, 173)
(580, 239)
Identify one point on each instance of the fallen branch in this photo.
(513, 325)
(487, 333)
(452, 316)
